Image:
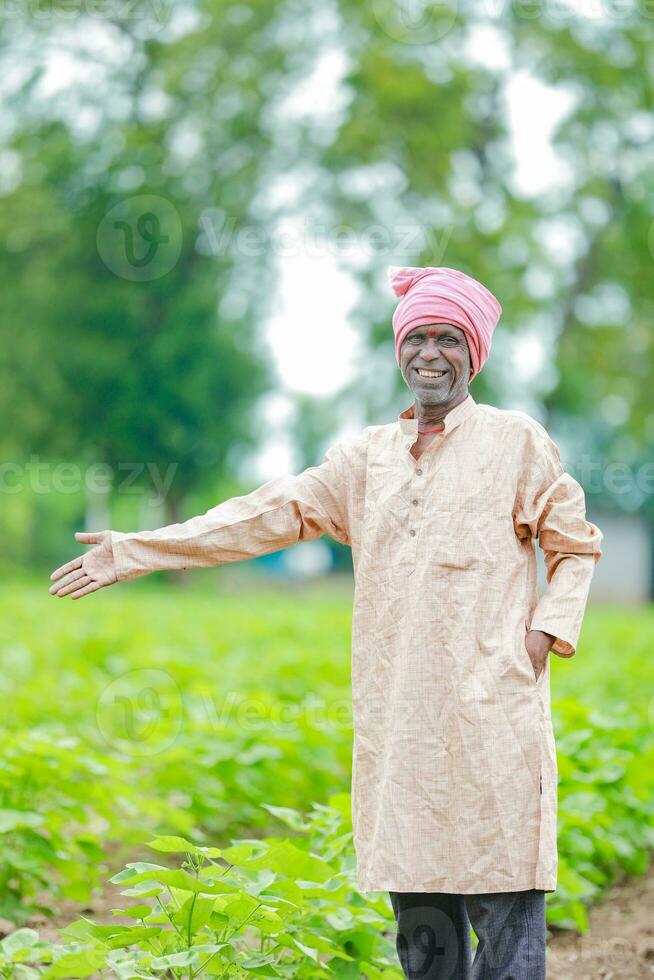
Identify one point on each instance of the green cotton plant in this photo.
(606, 808)
(209, 764)
(228, 737)
(56, 819)
(276, 907)
(21, 953)
(54, 812)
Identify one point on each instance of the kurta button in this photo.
(414, 501)
(412, 533)
(419, 472)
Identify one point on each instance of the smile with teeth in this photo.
(424, 373)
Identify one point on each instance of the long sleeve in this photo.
(276, 515)
(550, 506)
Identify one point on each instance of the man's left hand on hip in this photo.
(538, 646)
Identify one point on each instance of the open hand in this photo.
(538, 646)
(89, 572)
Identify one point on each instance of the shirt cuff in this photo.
(563, 648)
(124, 570)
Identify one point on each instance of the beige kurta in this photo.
(454, 784)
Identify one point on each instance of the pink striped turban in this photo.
(440, 295)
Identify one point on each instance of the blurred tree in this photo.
(420, 163)
(134, 139)
(134, 258)
(605, 294)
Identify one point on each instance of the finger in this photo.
(92, 587)
(66, 580)
(68, 567)
(66, 589)
(89, 537)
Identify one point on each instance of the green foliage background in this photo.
(200, 714)
(411, 153)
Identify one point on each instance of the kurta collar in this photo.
(409, 424)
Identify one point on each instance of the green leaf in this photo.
(239, 909)
(238, 853)
(194, 913)
(75, 965)
(292, 818)
(307, 950)
(133, 911)
(20, 939)
(294, 863)
(84, 929)
(259, 968)
(179, 845)
(143, 889)
(184, 958)
(134, 935)
(172, 878)
(135, 871)
(267, 920)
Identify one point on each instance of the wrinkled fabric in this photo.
(454, 778)
(436, 294)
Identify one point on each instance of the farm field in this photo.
(195, 748)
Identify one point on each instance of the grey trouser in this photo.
(433, 935)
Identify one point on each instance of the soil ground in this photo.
(620, 942)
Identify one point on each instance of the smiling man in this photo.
(454, 782)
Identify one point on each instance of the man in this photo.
(454, 784)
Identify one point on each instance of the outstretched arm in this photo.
(551, 507)
(276, 515)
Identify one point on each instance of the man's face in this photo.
(438, 347)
